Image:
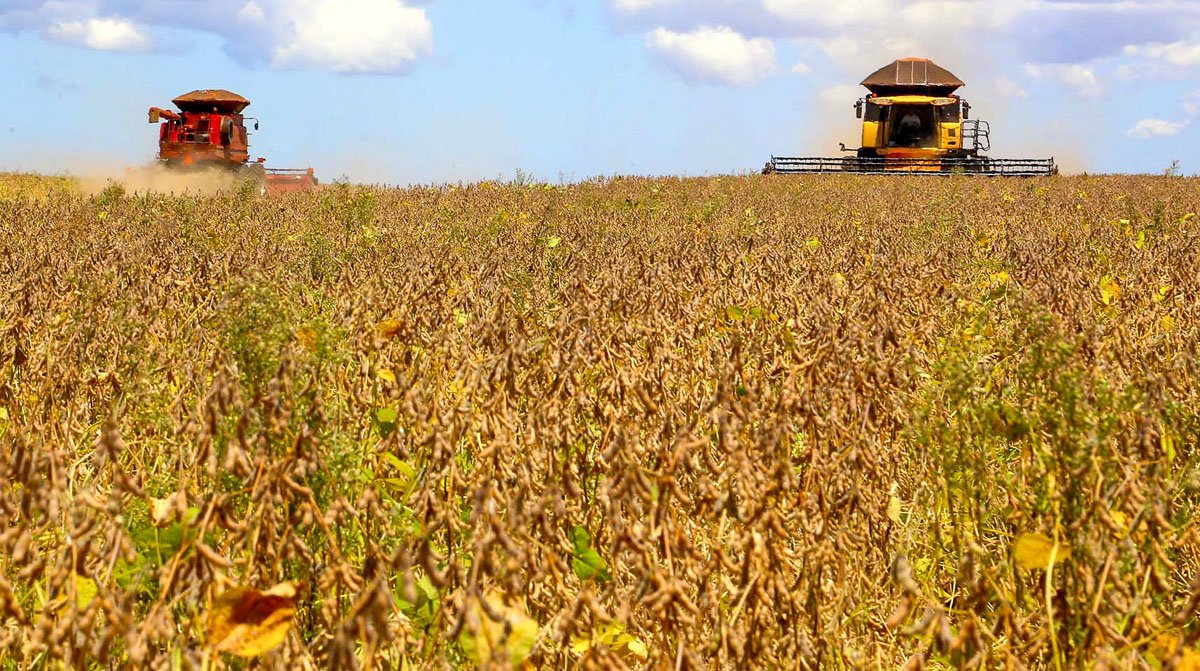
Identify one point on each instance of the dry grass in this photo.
(802, 422)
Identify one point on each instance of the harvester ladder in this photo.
(978, 133)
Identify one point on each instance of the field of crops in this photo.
(727, 423)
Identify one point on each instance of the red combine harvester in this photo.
(209, 131)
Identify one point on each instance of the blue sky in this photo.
(401, 91)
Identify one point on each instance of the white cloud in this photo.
(1152, 128)
(251, 12)
(1079, 78)
(352, 35)
(1191, 104)
(715, 55)
(1181, 54)
(957, 31)
(631, 6)
(359, 36)
(801, 68)
(842, 95)
(107, 34)
(829, 14)
(1009, 89)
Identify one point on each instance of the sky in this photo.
(426, 91)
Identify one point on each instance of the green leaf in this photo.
(585, 561)
(385, 419)
(425, 609)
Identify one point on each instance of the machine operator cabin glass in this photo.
(912, 126)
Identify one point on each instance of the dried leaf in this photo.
(165, 512)
(246, 622)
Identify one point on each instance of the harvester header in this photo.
(914, 122)
(209, 131)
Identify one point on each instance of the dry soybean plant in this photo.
(728, 423)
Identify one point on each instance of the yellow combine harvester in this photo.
(913, 123)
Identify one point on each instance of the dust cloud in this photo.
(157, 179)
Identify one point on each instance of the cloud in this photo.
(1079, 78)
(107, 34)
(1035, 31)
(841, 95)
(714, 55)
(380, 36)
(1182, 54)
(1191, 104)
(1153, 128)
(1009, 89)
(801, 68)
(352, 36)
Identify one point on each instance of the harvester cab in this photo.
(209, 131)
(913, 122)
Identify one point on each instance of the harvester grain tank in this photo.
(913, 122)
(209, 131)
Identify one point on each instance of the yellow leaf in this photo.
(1119, 519)
(482, 637)
(85, 591)
(1166, 323)
(388, 328)
(813, 242)
(1187, 217)
(612, 636)
(1141, 240)
(307, 337)
(460, 318)
(1110, 290)
(1168, 446)
(1167, 646)
(386, 375)
(839, 281)
(3, 414)
(1035, 550)
(893, 510)
(1000, 278)
(246, 622)
(1161, 294)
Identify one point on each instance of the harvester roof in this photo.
(208, 100)
(912, 76)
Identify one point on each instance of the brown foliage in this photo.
(801, 422)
